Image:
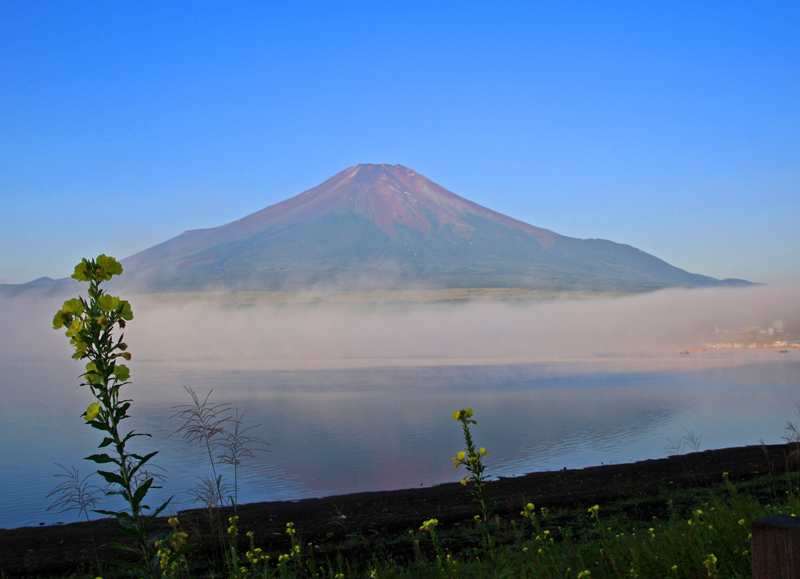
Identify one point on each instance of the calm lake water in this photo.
(340, 431)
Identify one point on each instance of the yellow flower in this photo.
(429, 525)
(463, 414)
(92, 412)
(464, 481)
(483, 451)
(583, 574)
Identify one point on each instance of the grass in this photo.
(693, 533)
(689, 533)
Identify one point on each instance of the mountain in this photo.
(386, 226)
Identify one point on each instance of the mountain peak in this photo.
(390, 196)
(371, 219)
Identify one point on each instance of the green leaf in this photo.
(106, 442)
(142, 491)
(132, 434)
(112, 478)
(131, 532)
(157, 512)
(108, 513)
(101, 426)
(102, 458)
(142, 460)
(126, 313)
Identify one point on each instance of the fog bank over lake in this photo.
(167, 327)
(358, 397)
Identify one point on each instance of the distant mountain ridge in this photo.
(386, 226)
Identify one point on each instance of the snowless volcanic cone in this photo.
(386, 226)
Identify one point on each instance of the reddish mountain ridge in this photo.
(389, 226)
(386, 195)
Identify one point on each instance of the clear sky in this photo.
(671, 126)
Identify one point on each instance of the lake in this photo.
(388, 426)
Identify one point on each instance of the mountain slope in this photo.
(388, 226)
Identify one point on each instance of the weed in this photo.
(472, 459)
(226, 442)
(76, 493)
(90, 328)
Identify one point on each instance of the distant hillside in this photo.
(384, 227)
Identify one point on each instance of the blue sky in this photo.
(671, 126)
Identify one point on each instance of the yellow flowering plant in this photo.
(429, 527)
(472, 459)
(90, 326)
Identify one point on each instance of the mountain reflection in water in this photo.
(340, 431)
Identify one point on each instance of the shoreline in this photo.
(63, 548)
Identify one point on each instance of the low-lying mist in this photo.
(307, 335)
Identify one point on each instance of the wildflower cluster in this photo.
(172, 551)
(429, 525)
(233, 529)
(295, 551)
(529, 512)
(255, 555)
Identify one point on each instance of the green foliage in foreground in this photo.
(695, 534)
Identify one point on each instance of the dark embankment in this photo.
(375, 515)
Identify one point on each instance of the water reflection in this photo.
(382, 428)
